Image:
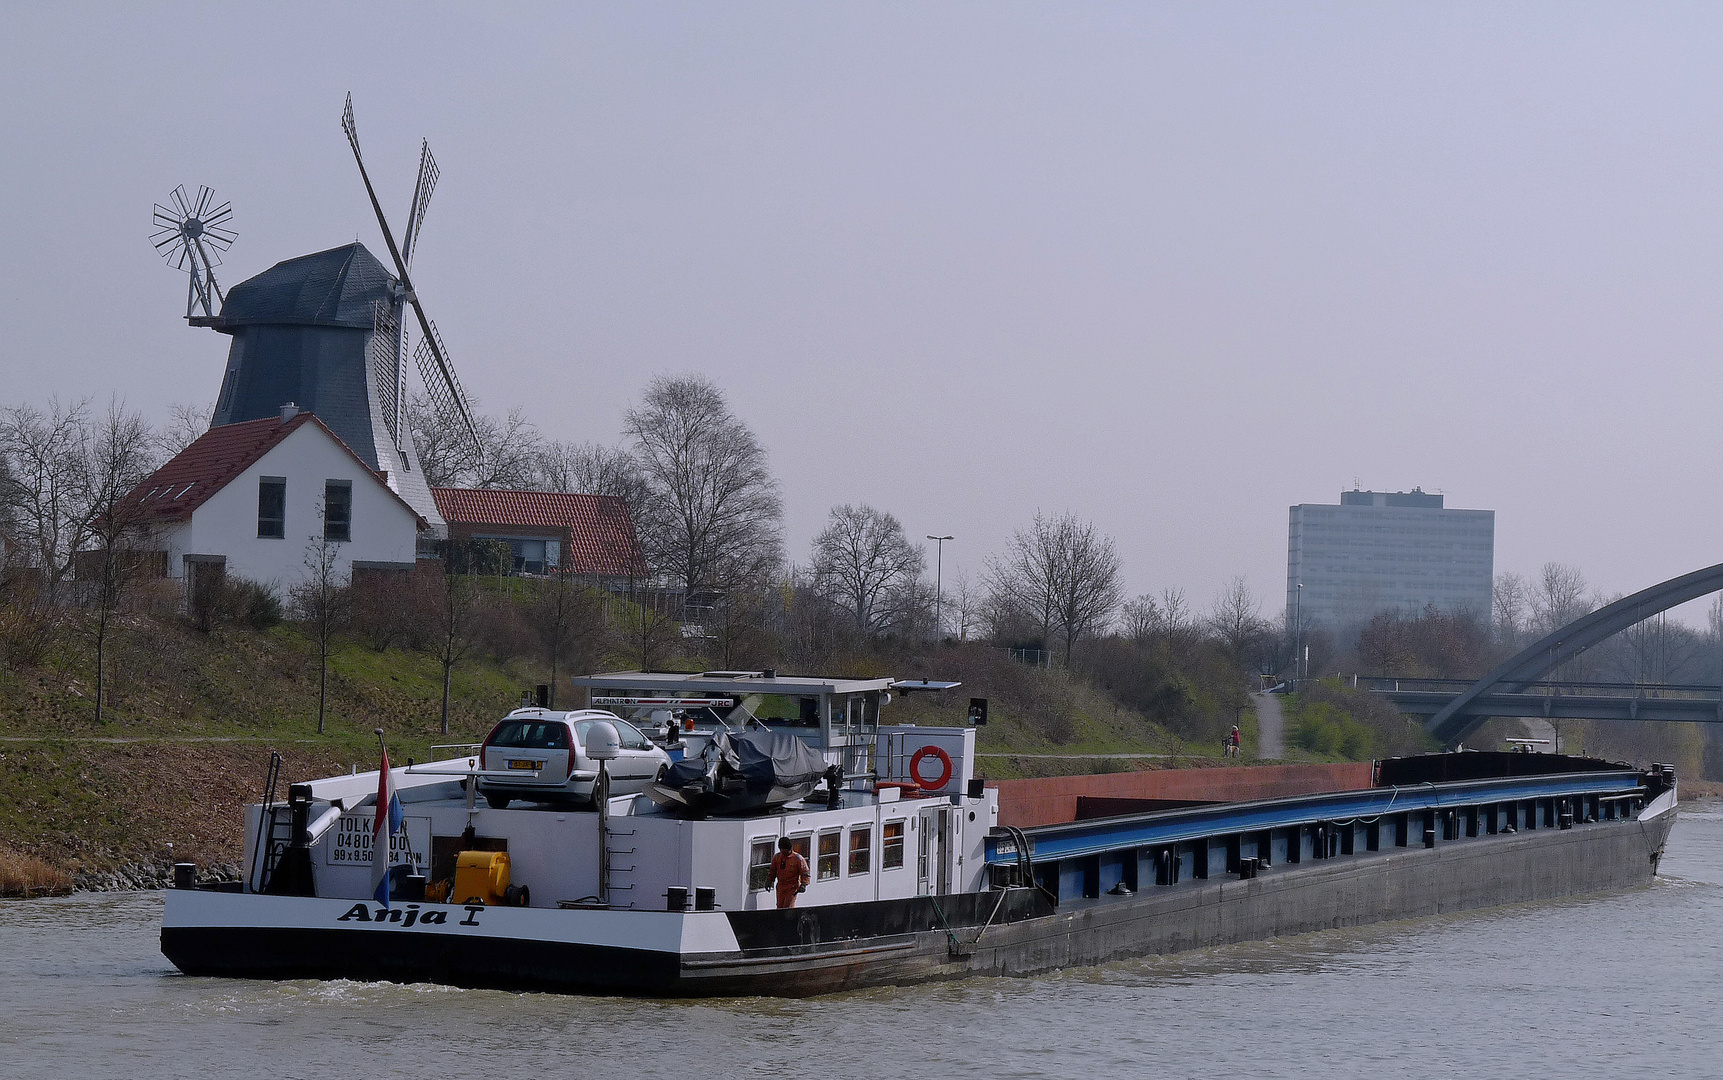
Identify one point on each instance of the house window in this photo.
(861, 847)
(891, 853)
(272, 507)
(338, 510)
(829, 855)
(760, 864)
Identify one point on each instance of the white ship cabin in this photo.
(906, 818)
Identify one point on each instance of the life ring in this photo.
(944, 765)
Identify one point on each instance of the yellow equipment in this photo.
(481, 877)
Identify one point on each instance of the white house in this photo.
(254, 498)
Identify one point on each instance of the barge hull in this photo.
(707, 954)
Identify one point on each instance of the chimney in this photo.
(288, 412)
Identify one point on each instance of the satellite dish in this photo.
(602, 742)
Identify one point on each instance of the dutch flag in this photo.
(388, 823)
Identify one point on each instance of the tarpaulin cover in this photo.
(761, 759)
(687, 771)
(771, 758)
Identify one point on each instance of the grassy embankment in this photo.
(191, 719)
(187, 732)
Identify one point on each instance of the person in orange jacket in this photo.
(789, 873)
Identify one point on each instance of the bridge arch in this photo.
(1452, 723)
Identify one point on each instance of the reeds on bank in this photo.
(23, 875)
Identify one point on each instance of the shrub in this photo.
(249, 603)
(1329, 718)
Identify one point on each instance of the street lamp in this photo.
(939, 582)
(1298, 629)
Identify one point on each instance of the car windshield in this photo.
(532, 734)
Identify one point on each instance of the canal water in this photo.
(1616, 985)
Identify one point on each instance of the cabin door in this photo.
(932, 876)
(944, 857)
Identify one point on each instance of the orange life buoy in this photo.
(944, 764)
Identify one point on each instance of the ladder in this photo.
(274, 830)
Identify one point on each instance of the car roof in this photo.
(533, 712)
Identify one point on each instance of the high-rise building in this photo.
(1380, 551)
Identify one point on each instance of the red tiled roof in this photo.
(601, 536)
(193, 475)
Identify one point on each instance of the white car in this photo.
(552, 745)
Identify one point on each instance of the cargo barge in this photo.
(918, 871)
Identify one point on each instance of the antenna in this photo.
(192, 231)
(449, 392)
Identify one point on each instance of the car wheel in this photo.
(498, 802)
(663, 771)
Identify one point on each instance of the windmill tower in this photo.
(328, 333)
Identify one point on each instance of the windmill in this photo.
(431, 355)
(326, 332)
(193, 232)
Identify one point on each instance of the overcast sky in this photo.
(1171, 267)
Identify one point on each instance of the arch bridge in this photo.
(1517, 686)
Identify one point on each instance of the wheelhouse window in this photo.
(891, 847)
(271, 507)
(861, 848)
(338, 510)
(760, 864)
(828, 868)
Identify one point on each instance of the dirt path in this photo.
(1270, 727)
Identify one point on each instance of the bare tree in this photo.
(46, 454)
(448, 457)
(1062, 574)
(1510, 603)
(453, 618)
(566, 617)
(322, 600)
(863, 562)
(119, 454)
(1142, 619)
(186, 424)
(1237, 617)
(1558, 596)
(963, 600)
(592, 468)
(712, 517)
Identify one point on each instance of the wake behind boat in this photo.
(914, 873)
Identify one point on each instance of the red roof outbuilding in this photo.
(597, 528)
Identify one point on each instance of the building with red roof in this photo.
(548, 531)
(251, 498)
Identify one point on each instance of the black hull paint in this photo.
(823, 950)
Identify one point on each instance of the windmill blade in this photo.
(439, 375)
(428, 174)
(428, 337)
(386, 365)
